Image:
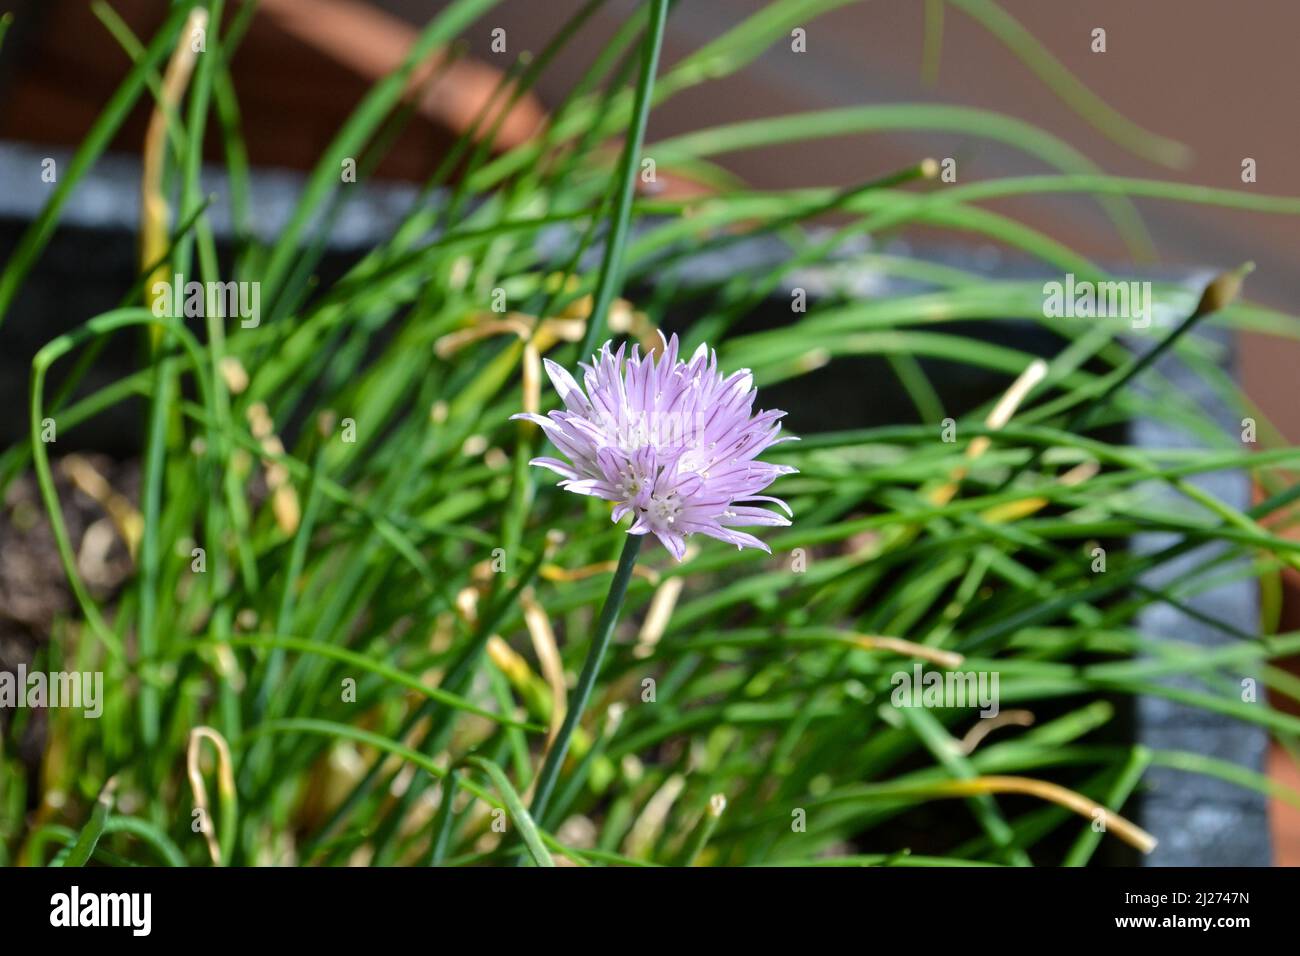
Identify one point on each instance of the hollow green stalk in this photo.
(550, 772)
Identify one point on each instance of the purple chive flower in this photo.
(672, 443)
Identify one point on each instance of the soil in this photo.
(34, 591)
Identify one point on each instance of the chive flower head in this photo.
(673, 443)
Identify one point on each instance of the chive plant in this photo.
(374, 656)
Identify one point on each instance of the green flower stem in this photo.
(611, 269)
(590, 670)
